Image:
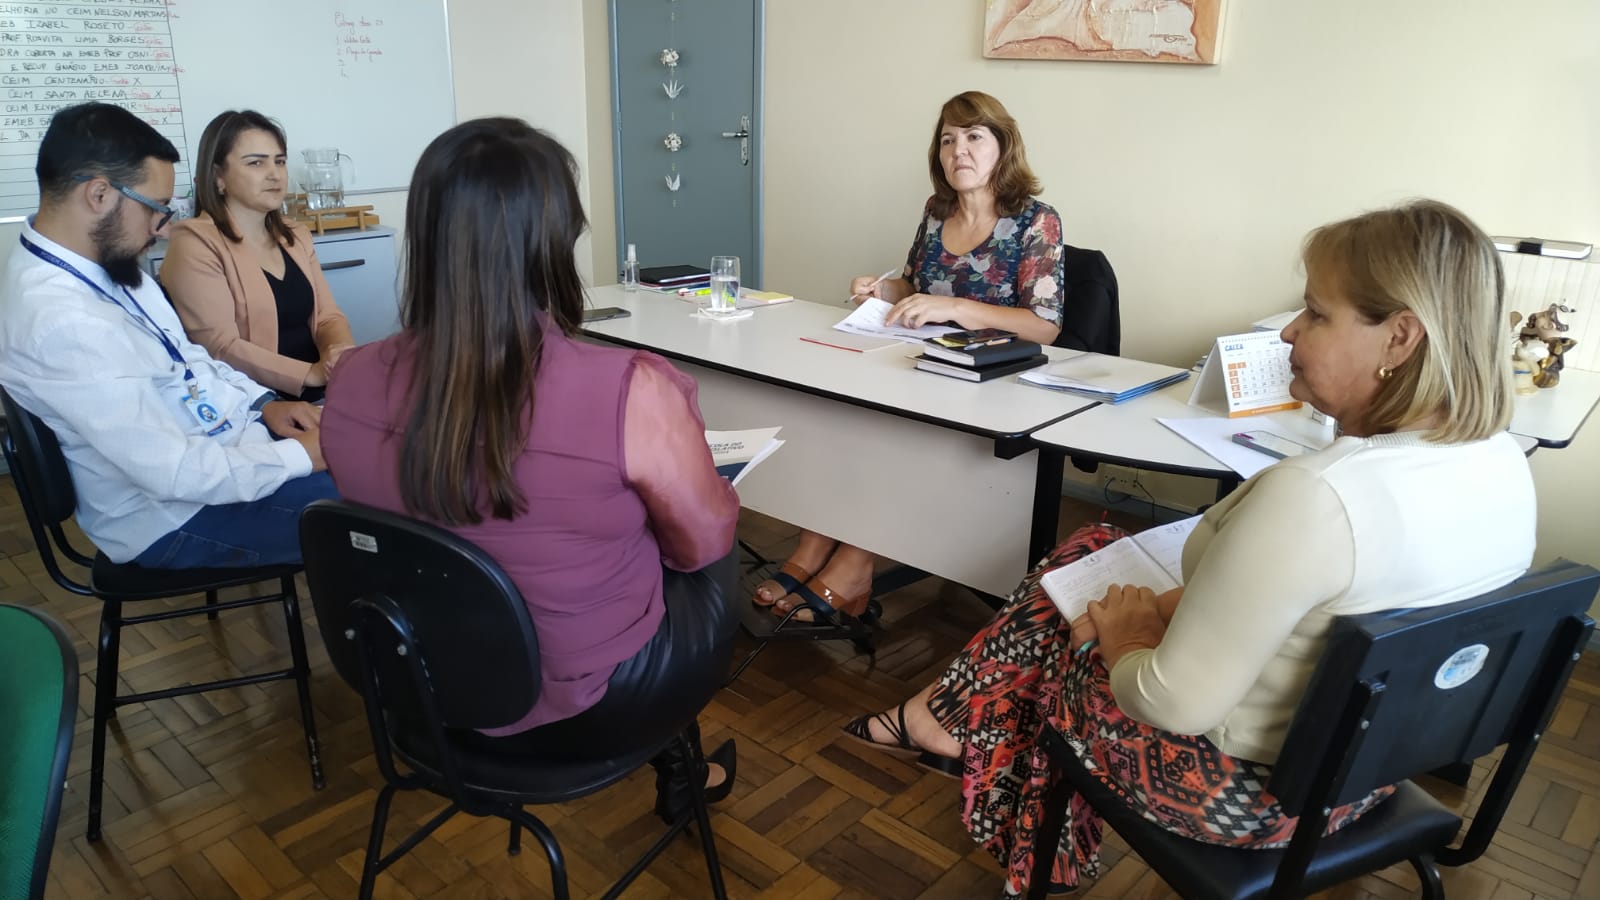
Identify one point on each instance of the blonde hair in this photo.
(1426, 257)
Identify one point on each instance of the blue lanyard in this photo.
(143, 318)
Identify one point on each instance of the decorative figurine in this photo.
(1537, 356)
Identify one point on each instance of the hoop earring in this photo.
(1384, 372)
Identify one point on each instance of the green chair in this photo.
(38, 706)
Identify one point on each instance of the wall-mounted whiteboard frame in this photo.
(370, 77)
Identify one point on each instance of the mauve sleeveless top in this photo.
(582, 554)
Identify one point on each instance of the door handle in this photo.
(343, 264)
(743, 136)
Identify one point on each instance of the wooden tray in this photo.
(332, 218)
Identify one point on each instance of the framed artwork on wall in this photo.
(1170, 31)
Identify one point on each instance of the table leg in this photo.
(1046, 503)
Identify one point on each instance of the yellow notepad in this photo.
(765, 296)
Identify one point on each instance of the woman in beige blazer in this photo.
(246, 281)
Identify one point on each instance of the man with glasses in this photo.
(170, 450)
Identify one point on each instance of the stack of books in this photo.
(979, 355)
(1109, 379)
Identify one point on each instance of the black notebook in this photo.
(673, 276)
(927, 364)
(978, 357)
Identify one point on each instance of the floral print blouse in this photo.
(1019, 265)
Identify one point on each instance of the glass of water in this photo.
(724, 299)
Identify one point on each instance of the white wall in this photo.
(523, 59)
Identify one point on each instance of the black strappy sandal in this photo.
(860, 729)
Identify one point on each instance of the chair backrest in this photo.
(36, 458)
(38, 706)
(1401, 693)
(461, 610)
(44, 485)
(1091, 318)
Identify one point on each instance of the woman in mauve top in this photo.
(582, 470)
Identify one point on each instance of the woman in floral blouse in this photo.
(987, 255)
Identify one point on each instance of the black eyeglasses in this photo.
(166, 212)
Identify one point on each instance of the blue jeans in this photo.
(263, 532)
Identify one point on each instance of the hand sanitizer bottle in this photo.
(630, 270)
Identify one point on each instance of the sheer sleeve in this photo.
(1041, 277)
(692, 510)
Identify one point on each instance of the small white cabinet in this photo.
(361, 270)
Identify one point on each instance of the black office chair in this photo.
(1395, 695)
(44, 485)
(38, 708)
(1092, 318)
(439, 642)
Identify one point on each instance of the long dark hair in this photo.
(491, 224)
(216, 142)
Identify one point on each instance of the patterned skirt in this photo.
(1019, 674)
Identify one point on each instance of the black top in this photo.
(295, 303)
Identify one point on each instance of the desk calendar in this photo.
(1246, 374)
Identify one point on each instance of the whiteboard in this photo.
(370, 77)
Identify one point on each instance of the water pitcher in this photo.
(324, 178)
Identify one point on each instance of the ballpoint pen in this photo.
(693, 292)
(876, 283)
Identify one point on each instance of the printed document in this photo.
(736, 453)
(868, 321)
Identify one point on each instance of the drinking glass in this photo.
(724, 299)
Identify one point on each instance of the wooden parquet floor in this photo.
(210, 796)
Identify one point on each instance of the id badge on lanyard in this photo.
(198, 404)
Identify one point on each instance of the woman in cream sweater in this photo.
(246, 281)
(1402, 341)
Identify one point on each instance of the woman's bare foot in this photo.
(848, 574)
(715, 775)
(922, 728)
(811, 555)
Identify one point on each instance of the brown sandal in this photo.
(821, 601)
(789, 576)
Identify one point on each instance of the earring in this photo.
(1384, 372)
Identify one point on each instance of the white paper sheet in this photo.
(1214, 435)
(739, 452)
(868, 321)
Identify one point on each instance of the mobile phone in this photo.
(604, 313)
(967, 340)
(1275, 446)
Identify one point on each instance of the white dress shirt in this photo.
(142, 464)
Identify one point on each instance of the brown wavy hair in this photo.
(492, 222)
(216, 142)
(1013, 183)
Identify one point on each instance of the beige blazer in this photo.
(227, 306)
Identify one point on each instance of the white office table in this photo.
(1128, 434)
(1553, 416)
(916, 467)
